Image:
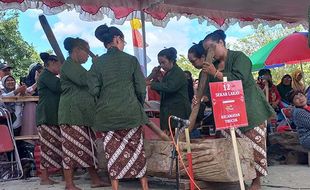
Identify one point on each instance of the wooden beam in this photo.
(200, 91)
(51, 38)
(20, 99)
(27, 137)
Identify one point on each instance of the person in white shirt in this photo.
(15, 108)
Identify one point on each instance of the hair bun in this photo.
(68, 43)
(106, 34)
(102, 32)
(173, 50)
(169, 53)
(44, 56)
(221, 33)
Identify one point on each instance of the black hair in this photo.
(216, 36)
(46, 57)
(70, 43)
(291, 94)
(285, 76)
(169, 53)
(189, 74)
(262, 72)
(106, 34)
(197, 50)
(30, 79)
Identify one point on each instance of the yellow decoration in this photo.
(135, 24)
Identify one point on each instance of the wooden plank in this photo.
(200, 91)
(51, 38)
(212, 159)
(20, 99)
(27, 137)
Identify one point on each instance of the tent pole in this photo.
(309, 26)
(144, 41)
(303, 75)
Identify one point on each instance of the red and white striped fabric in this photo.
(137, 40)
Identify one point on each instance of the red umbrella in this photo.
(290, 49)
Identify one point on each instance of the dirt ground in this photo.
(280, 178)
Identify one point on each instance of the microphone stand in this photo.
(174, 156)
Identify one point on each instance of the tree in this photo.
(261, 37)
(251, 43)
(187, 66)
(13, 49)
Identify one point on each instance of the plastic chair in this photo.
(287, 113)
(10, 167)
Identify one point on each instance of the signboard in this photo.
(228, 104)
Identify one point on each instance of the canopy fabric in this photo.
(225, 12)
(259, 57)
(218, 12)
(291, 49)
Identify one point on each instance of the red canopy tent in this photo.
(219, 12)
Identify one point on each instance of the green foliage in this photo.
(13, 49)
(187, 66)
(251, 43)
(261, 36)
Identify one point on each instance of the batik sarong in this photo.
(125, 154)
(50, 146)
(257, 137)
(78, 146)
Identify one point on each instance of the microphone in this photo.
(184, 121)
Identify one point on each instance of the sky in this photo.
(180, 34)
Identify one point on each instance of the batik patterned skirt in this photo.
(78, 146)
(50, 146)
(125, 154)
(257, 137)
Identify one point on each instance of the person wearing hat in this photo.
(5, 70)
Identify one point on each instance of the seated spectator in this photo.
(265, 80)
(297, 83)
(301, 117)
(284, 87)
(9, 89)
(14, 108)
